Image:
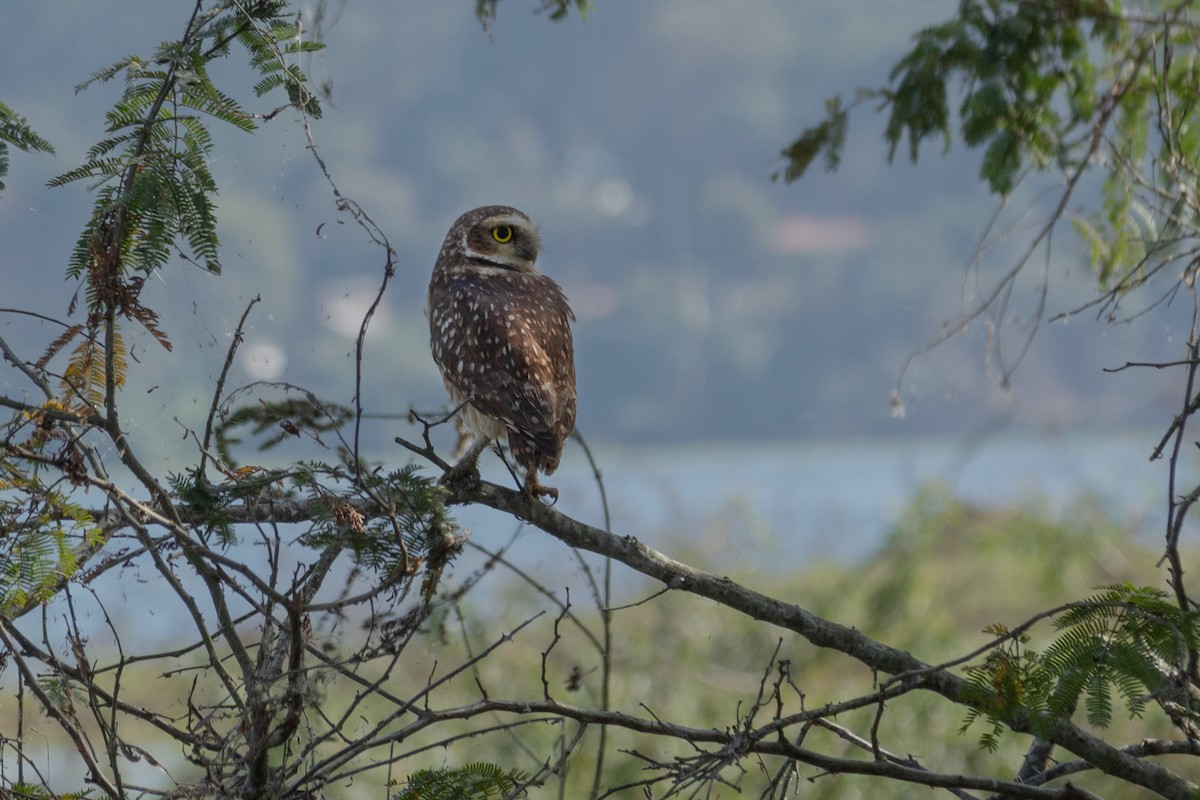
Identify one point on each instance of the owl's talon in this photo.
(465, 478)
(537, 490)
(465, 471)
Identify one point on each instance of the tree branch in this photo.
(912, 672)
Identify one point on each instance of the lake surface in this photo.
(837, 499)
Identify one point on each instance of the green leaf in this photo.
(828, 138)
(918, 101)
(556, 10)
(1001, 162)
(15, 131)
(41, 531)
(1125, 639)
(471, 782)
(983, 112)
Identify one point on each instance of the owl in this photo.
(500, 332)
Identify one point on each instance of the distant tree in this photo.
(315, 625)
(1091, 108)
(1087, 105)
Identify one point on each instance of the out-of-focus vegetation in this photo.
(947, 570)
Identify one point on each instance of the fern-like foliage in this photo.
(470, 782)
(406, 524)
(27, 791)
(155, 194)
(15, 131)
(1131, 640)
(84, 380)
(38, 534)
(276, 421)
(413, 528)
(205, 500)
(154, 190)
(1126, 643)
(1001, 685)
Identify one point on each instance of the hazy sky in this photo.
(712, 302)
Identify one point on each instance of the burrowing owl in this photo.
(501, 335)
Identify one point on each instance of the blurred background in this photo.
(737, 344)
(738, 338)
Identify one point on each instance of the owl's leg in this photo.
(468, 465)
(465, 437)
(535, 489)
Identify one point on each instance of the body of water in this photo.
(837, 499)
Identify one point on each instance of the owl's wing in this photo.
(518, 366)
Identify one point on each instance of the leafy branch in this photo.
(150, 176)
(15, 131)
(1029, 88)
(556, 10)
(1082, 93)
(906, 670)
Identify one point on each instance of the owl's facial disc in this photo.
(505, 241)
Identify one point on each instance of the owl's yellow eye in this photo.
(502, 234)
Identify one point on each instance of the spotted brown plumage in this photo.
(501, 336)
